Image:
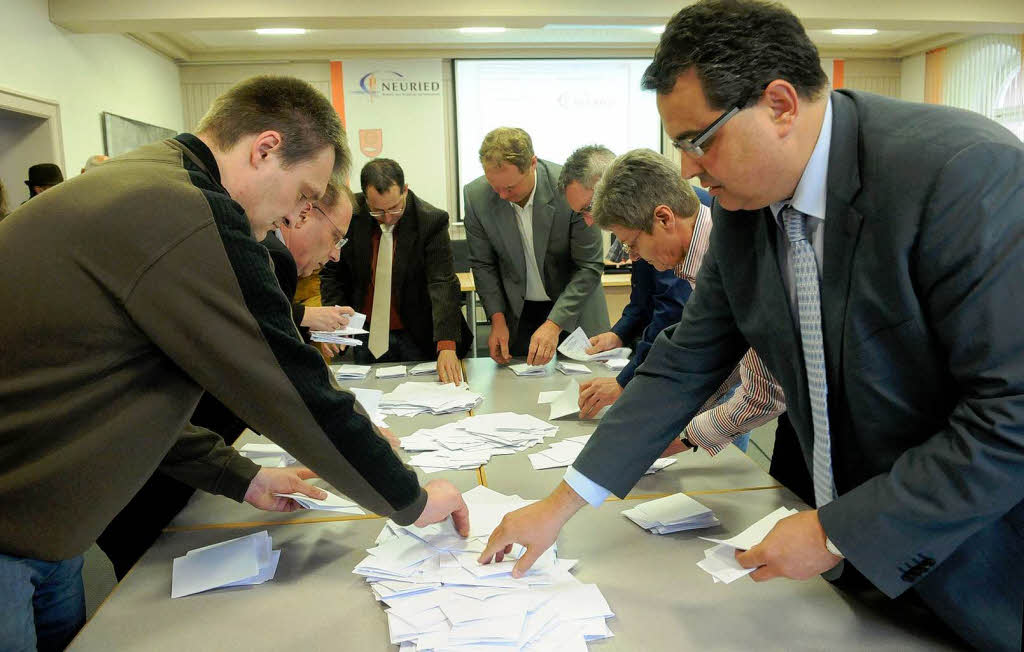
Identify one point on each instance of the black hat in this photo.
(44, 174)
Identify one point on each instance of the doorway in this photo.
(29, 134)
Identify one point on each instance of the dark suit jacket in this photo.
(424, 287)
(287, 274)
(568, 253)
(922, 313)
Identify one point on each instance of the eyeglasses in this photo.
(694, 147)
(588, 209)
(340, 240)
(391, 212)
(628, 248)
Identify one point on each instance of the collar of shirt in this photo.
(529, 202)
(698, 246)
(809, 196)
(280, 236)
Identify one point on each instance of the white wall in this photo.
(912, 78)
(85, 74)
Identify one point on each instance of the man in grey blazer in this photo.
(872, 252)
(536, 265)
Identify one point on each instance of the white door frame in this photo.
(49, 110)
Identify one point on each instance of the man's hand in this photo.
(603, 342)
(597, 393)
(535, 526)
(677, 446)
(543, 343)
(281, 481)
(795, 548)
(326, 318)
(391, 437)
(497, 341)
(444, 500)
(330, 349)
(448, 368)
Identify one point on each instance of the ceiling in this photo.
(201, 31)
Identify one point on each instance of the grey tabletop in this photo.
(660, 598)
(505, 392)
(204, 509)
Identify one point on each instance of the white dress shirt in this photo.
(524, 220)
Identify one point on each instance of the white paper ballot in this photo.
(356, 321)
(567, 402)
(242, 561)
(616, 364)
(424, 369)
(720, 560)
(671, 514)
(756, 533)
(524, 369)
(390, 372)
(569, 368)
(356, 371)
(543, 398)
(577, 343)
(267, 454)
(331, 503)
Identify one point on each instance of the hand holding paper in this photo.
(794, 548)
(268, 482)
(444, 500)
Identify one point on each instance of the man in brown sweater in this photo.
(172, 295)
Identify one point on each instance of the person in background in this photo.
(3, 201)
(536, 264)
(407, 290)
(94, 161)
(42, 177)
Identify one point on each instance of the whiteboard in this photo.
(122, 134)
(562, 103)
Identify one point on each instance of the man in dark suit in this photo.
(872, 252)
(419, 316)
(536, 264)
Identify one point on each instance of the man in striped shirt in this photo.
(656, 215)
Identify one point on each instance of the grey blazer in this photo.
(569, 255)
(923, 319)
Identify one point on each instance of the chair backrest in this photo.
(460, 255)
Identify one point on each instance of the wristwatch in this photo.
(832, 548)
(689, 444)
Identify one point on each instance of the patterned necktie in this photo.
(809, 309)
(380, 320)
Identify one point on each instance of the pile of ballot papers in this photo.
(570, 368)
(720, 560)
(351, 371)
(269, 455)
(331, 503)
(370, 400)
(468, 443)
(576, 345)
(524, 369)
(438, 597)
(412, 398)
(343, 335)
(616, 364)
(424, 369)
(673, 513)
(390, 372)
(564, 452)
(238, 562)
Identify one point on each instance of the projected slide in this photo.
(562, 104)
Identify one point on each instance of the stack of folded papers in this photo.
(351, 371)
(239, 562)
(576, 345)
(468, 443)
(671, 514)
(569, 368)
(616, 364)
(424, 369)
(720, 560)
(370, 400)
(390, 372)
(524, 369)
(438, 596)
(564, 452)
(412, 398)
(331, 503)
(343, 335)
(269, 455)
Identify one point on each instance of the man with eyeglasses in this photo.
(536, 264)
(871, 251)
(398, 270)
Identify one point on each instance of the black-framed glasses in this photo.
(694, 147)
(340, 240)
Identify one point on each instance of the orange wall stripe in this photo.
(934, 67)
(338, 90)
(838, 72)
